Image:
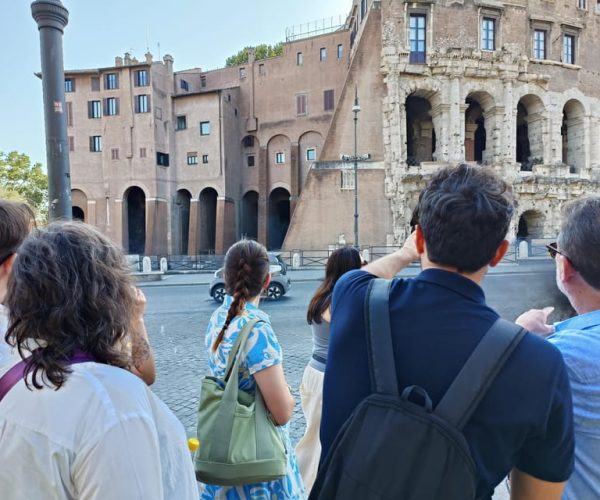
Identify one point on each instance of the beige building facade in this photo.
(254, 150)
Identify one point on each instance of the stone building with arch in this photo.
(185, 162)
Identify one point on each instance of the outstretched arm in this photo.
(390, 265)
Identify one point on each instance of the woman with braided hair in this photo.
(246, 275)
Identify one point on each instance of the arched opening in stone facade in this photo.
(475, 127)
(279, 217)
(420, 132)
(134, 218)
(573, 136)
(531, 225)
(207, 220)
(249, 215)
(183, 200)
(79, 202)
(530, 132)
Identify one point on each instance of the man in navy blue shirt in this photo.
(524, 422)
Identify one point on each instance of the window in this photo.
(311, 154)
(94, 109)
(322, 54)
(242, 73)
(111, 106)
(142, 152)
(347, 179)
(569, 49)
(192, 158)
(279, 158)
(141, 78)
(340, 51)
(299, 59)
(69, 114)
(142, 103)
(363, 9)
(204, 128)
(114, 154)
(184, 85)
(417, 34)
(301, 104)
(203, 81)
(261, 69)
(582, 4)
(111, 81)
(250, 159)
(162, 159)
(69, 85)
(71, 143)
(95, 83)
(328, 103)
(96, 143)
(204, 158)
(248, 141)
(539, 44)
(488, 34)
(597, 6)
(181, 122)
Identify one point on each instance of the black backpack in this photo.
(392, 448)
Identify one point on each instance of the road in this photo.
(177, 315)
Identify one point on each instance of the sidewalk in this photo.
(317, 274)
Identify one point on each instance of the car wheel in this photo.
(218, 293)
(275, 291)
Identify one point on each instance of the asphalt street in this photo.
(177, 314)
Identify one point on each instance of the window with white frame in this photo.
(204, 128)
(111, 106)
(488, 33)
(94, 109)
(417, 38)
(311, 154)
(192, 158)
(204, 159)
(111, 81)
(568, 49)
(142, 103)
(340, 51)
(322, 54)
(279, 158)
(539, 44)
(181, 123)
(299, 59)
(141, 78)
(582, 4)
(69, 85)
(96, 144)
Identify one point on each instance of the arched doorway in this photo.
(135, 220)
(182, 214)
(573, 138)
(207, 219)
(420, 132)
(78, 213)
(530, 132)
(279, 217)
(475, 131)
(249, 215)
(531, 225)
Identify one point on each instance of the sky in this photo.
(197, 33)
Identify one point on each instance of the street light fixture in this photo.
(52, 17)
(356, 158)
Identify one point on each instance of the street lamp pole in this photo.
(356, 110)
(52, 17)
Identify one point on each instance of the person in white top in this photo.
(90, 430)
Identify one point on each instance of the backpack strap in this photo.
(382, 367)
(478, 373)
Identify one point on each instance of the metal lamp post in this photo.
(356, 110)
(52, 17)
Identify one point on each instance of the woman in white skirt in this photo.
(308, 449)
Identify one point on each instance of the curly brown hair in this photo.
(245, 271)
(69, 291)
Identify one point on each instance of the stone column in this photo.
(225, 225)
(193, 232)
(91, 212)
(117, 223)
(295, 176)
(156, 226)
(440, 116)
(469, 141)
(456, 114)
(507, 123)
(263, 195)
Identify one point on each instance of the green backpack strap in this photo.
(222, 432)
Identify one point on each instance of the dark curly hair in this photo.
(69, 291)
(245, 271)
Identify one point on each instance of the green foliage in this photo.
(262, 51)
(20, 179)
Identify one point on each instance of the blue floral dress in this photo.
(261, 351)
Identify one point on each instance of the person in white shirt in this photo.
(73, 429)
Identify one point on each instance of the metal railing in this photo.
(314, 28)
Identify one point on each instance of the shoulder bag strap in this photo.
(238, 345)
(478, 373)
(382, 367)
(17, 372)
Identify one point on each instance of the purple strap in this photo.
(17, 372)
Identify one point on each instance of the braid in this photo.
(240, 296)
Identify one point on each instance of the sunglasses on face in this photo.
(553, 250)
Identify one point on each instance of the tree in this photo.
(262, 51)
(20, 178)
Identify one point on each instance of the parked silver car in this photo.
(279, 286)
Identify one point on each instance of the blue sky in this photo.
(197, 33)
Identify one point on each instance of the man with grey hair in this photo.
(577, 257)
